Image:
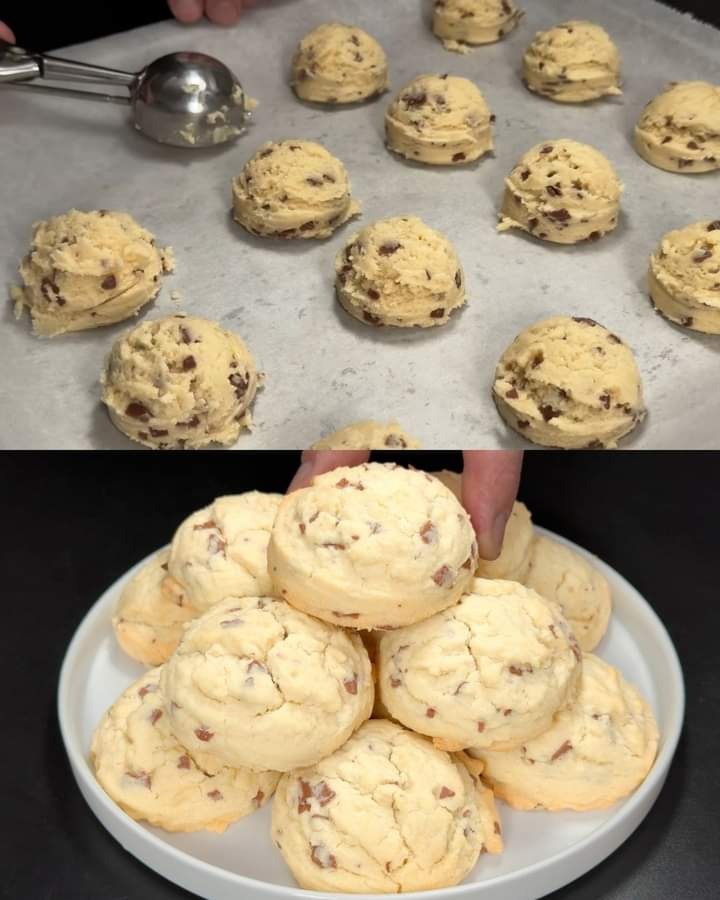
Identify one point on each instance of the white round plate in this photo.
(543, 851)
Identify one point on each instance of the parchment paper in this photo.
(325, 370)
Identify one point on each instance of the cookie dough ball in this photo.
(572, 63)
(142, 767)
(599, 749)
(569, 383)
(368, 435)
(180, 382)
(583, 594)
(293, 189)
(492, 671)
(679, 130)
(221, 551)
(563, 192)
(441, 120)
(684, 277)
(462, 23)
(399, 272)
(338, 63)
(372, 546)
(87, 269)
(256, 683)
(148, 622)
(385, 813)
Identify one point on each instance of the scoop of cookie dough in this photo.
(572, 63)
(491, 671)
(399, 272)
(148, 622)
(337, 63)
(560, 574)
(439, 119)
(293, 189)
(142, 767)
(180, 382)
(563, 192)
(87, 269)
(598, 749)
(679, 130)
(372, 546)
(368, 435)
(221, 551)
(684, 277)
(256, 683)
(569, 383)
(462, 23)
(385, 813)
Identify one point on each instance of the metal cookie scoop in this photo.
(183, 99)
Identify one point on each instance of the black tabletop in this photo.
(73, 523)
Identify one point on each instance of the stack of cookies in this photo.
(345, 648)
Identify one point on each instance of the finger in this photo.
(315, 462)
(223, 12)
(489, 487)
(187, 11)
(6, 33)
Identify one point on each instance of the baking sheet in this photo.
(324, 369)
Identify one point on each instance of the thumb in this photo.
(315, 462)
(6, 33)
(489, 487)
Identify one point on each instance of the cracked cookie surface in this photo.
(563, 192)
(598, 749)
(293, 189)
(255, 683)
(338, 63)
(491, 671)
(87, 269)
(679, 130)
(144, 769)
(180, 382)
(572, 62)
(570, 383)
(461, 24)
(221, 550)
(385, 813)
(441, 120)
(372, 546)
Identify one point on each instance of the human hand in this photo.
(489, 487)
(6, 33)
(221, 12)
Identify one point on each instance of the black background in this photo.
(49, 25)
(72, 523)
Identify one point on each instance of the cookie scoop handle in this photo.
(17, 64)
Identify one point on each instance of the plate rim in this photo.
(653, 783)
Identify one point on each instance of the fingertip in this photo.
(6, 33)
(223, 12)
(186, 11)
(489, 487)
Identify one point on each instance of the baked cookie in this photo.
(563, 192)
(583, 594)
(599, 749)
(221, 551)
(512, 564)
(572, 63)
(256, 683)
(679, 130)
(387, 812)
(87, 269)
(293, 189)
(399, 272)
(569, 383)
(338, 63)
(372, 546)
(442, 120)
(684, 277)
(368, 435)
(142, 767)
(492, 671)
(148, 622)
(180, 382)
(460, 24)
